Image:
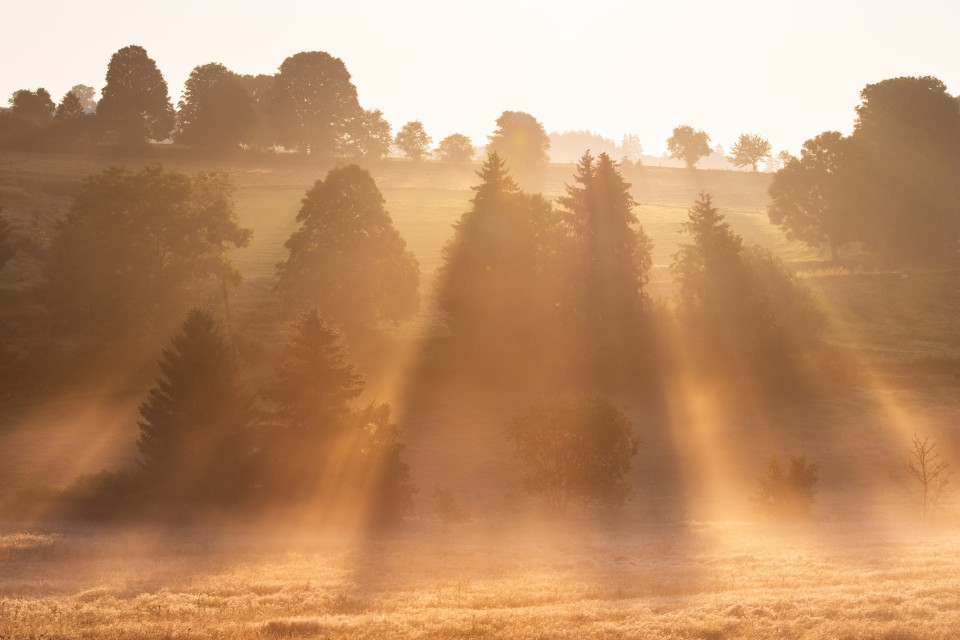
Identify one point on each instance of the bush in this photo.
(787, 496)
(575, 450)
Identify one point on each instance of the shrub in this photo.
(787, 495)
(575, 450)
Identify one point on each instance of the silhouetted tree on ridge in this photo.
(521, 141)
(35, 105)
(688, 145)
(455, 148)
(413, 140)
(135, 104)
(369, 135)
(313, 103)
(216, 112)
(749, 150)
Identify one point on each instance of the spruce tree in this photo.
(195, 423)
(499, 285)
(612, 264)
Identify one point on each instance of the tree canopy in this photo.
(891, 185)
(86, 95)
(370, 135)
(413, 140)
(455, 148)
(911, 127)
(36, 105)
(689, 145)
(314, 103)
(521, 141)
(136, 247)
(575, 450)
(749, 150)
(216, 112)
(135, 104)
(814, 197)
(347, 258)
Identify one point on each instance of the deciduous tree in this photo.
(86, 95)
(575, 450)
(347, 258)
(911, 127)
(689, 145)
(521, 141)
(36, 105)
(814, 198)
(135, 247)
(413, 140)
(370, 135)
(455, 149)
(749, 150)
(314, 102)
(135, 105)
(216, 112)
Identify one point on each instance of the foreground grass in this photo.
(733, 580)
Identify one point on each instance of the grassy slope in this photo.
(882, 316)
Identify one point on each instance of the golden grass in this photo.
(702, 580)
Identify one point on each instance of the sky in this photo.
(786, 70)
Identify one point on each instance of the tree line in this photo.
(890, 187)
(310, 105)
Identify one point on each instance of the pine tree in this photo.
(613, 260)
(195, 423)
(499, 284)
(311, 394)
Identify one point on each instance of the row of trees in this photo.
(690, 145)
(891, 186)
(206, 441)
(309, 105)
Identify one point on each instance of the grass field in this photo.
(685, 559)
(696, 581)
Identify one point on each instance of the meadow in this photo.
(686, 558)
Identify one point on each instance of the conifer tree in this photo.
(499, 284)
(195, 424)
(613, 260)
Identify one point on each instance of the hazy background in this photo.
(785, 70)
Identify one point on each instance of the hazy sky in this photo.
(787, 70)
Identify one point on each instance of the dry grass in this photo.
(702, 580)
